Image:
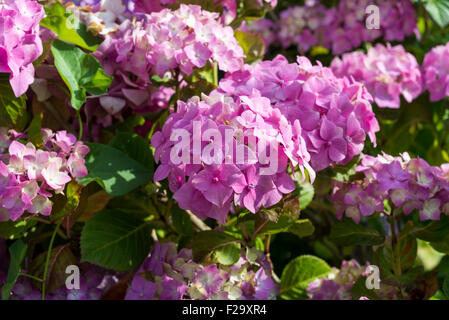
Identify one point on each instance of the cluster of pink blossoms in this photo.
(386, 71)
(237, 151)
(407, 184)
(435, 70)
(305, 26)
(28, 175)
(104, 16)
(343, 28)
(338, 283)
(20, 44)
(335, 113)
(169, 275)
(161, 44)
(165, 41)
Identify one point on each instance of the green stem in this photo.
(31, 277)
(47, 260)
(80, 121)
(395, 242)
(40, 220)
(216, 73)
(258, 229)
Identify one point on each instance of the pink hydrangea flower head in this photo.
(237, 152)
(387, 72)
(410, 184)
(175, 276)
(28, 175)
(436, 72)
(20, 44)
(334, 114)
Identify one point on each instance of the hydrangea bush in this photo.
(224, 149)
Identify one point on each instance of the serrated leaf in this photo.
(80, 71)
(115, 240)
(116, 172)
(69, 28)
(347, 233)
(17, 253)
(299, 273)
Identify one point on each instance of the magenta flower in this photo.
(28, 175)
(20, 44)
(330, 143)
(388, 72)
(408, 184)
(393, 176)
(436, 72)
(181, 278)
(309, 93)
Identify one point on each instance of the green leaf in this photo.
(80, 71)
(13, 111)
(17, 253)
(406, 256)
(441, 246)
(439, 11)
(302, 228)
(439, 296)
(115, 240)
(69, 28)
(298, 274)
(181, 222)
(135, 147)
(208, 5)
(229, 254)
(282, 224)
(16, 229)
(446, 287)
(73, 194)
(35, 131)
(205, 242)
(61, 257)
(432, 231)
(347, 233)
(252, 44)
(306, 193)
(359, 289)
(117, 173)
